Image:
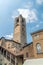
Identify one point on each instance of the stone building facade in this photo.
(38, 43)
(17, 50)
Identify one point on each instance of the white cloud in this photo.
(28, 5)
(30, 15)
(9, 36)
(24, 12)
(39, 2)
(13, 16)
(37, 25)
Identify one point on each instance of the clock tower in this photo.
(20, 30)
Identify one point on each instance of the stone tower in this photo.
(20, 30)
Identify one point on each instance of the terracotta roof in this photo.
(28, 44)
(10, 40)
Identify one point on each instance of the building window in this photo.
(22, 19)
(0, 59)
(0, 64)
(16, 63)
(27, 54)
(36, 36)
(5, 64)
(17, 20)
(38, 47)
(22, 29)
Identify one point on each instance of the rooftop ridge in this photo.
(36, 31)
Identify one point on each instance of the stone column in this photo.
(3, 52)
(0, 51)
(15, 60)
(3, 57)
(10, 58)
(6, 54)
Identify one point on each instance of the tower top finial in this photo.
(20, 15)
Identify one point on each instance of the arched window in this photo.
(17, 20)
(38, 47)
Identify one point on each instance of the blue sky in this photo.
(32, 10)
